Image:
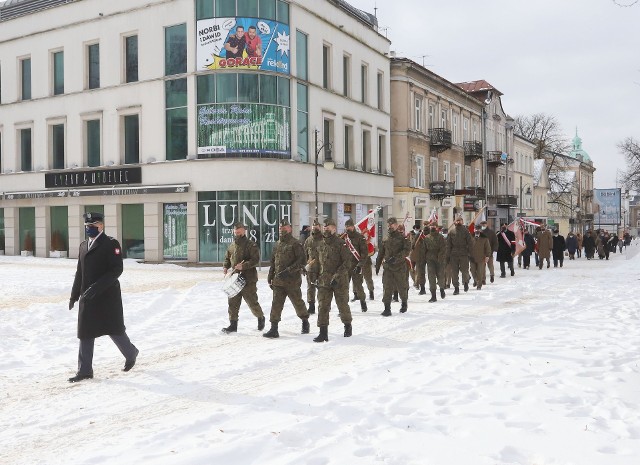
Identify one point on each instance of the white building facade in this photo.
(177, 118)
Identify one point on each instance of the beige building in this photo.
(497, 130)
(436, 145)
(523, 176)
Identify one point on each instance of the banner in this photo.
(242, 43)
(243, 128)
(608, 206)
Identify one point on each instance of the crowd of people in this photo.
(457, 257)
(330, 263)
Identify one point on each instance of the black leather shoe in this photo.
(261, 321)
(80, 377)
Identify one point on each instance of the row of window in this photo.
(327, 76)
(447, 174)
(91, 68)
(92, 144)
(446, 118)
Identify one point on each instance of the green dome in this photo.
(577, 151)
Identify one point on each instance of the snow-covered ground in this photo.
(541, 368)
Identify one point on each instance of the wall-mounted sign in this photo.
(242, 43)
(90, 178)
(134, 190)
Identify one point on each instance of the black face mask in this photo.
(91, 230)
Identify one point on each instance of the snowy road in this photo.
(541, 368)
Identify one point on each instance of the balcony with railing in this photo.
(472, 150)
(496, 159)
(439, 139)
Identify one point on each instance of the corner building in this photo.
(177, 118)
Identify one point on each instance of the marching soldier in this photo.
(333, 281)
(458, 249)
(357, 246)
(493, 242)
(243, 255)
(435, 253)
(287, 262)
(367, 269)
(393, 252)
(418, 257)
(313, 264)
(480, 253)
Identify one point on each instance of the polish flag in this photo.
(368, 229)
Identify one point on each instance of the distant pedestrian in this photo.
(572, 245)
(506, 249)
(97, 288)
(530, 244)
(559, 246)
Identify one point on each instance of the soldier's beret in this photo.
(238, 225)
(316, 223)
(349, 222)
(392, 220)
(329, 222)
(284, 223)
(91, 217)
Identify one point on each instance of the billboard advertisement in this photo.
(242, 43)
(226, 129)
(608, 203)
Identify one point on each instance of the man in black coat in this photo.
(97, 288)
(559, 246)
(506, 249)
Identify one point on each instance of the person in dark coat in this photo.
(530, 245)
(572, 245)
(589, 244)
(506, 249)
(559, 246)
(97, 288)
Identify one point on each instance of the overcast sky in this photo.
(578, 60)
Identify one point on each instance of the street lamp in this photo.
(528, 193)
(328, 163)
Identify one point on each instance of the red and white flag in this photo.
(368, 229)
(517, 227)
(479, 218)
(433, 217)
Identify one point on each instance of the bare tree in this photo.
(630, 148)
(544, 130)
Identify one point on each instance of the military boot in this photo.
(323, 336)
(355, 297)
(273, 332)
(312, 308)
(363, 305)
(442, 294)
(370, 295)
(433, 296)
(479, 286)
(261, 321)
(456, 290)
(395, 297)
(347, 330)
(466, 287)
(403, 307)
(305, 326)
(232, 328)
(422, 290)
(387, 310)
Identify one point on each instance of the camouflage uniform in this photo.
(394, 251)
(480, 251)
(418, 253)
(243, 249)
(335, 260)
(311, 252)
(284, 276)
(360, 245)
(435, 247)
(458, 249)
(367, 274)
(493, 243)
